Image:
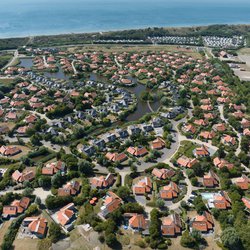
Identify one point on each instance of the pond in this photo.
(142, 107)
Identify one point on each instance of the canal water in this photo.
(142, 107)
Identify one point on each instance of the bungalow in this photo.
(163, 173)
(203, 223)
(122, 133)
(36, 225)
(220, 127)
(245, 123)
(134, 130)
(170, 191)
(201, 122)
(246, 202)
(143, 186)
(210, 179)
(201, 151)
(66, 215)
(171, 225)
(158, 143)
(147, 127)
(88, 150)
(220, 163)
(189, 128)
(111, 203)
(115, 157)
(243, 182)
(9, 150)
(26, 175)
(207, 107)
(30, 118)
(220, 201)
(69, 189)
(136, 221)
(157, 122)
(209, 116)
(103, 182)
(16, 207)
(246, 132)
(228, 140)
(53, 167)
(207, 135)
(99, 144)
(184, 161)
(137, 151)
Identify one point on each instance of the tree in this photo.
(111, 240)
(123, 192)
(85, 167)
(160, 203)
(38, 201)
(44, 181)
(230, 238)
(54, 232)
(187, 240)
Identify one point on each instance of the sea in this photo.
(46, 17)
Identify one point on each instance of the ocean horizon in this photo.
(51, 17)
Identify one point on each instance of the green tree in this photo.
(54, 232)
(230, 238)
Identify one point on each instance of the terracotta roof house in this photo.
(16, 207)
(53, 167)
(246, 132)
(111, 203)
(137, 151)
(9, 150)
(243, 182)
(184, 161)
(36, 225)
(207, 107)
(171, 225)
(245, 123)
(246, 202)
(170, 191)
(71, 188)
(221, 200)
(103, 182)
(26, 175)
(66, 214)
(30, 118)
(201, 122)
(136, 221)
(115, 157)
(163, 173)
(210, 179)
(220, 127)
(220, 163)
(207, 135)
(143, 186)
(189, 128)
(203, 223)
(201, 151)
(228, 140)
(158, 143)
(209, 116)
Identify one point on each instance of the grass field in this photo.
(6, 81)
(25, 244)
(186, 149)
(4, 229)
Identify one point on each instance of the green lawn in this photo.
(186, 149)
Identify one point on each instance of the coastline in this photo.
(93, 32)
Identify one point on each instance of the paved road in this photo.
(39, 192)
(73, 66)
